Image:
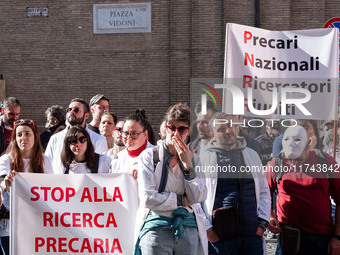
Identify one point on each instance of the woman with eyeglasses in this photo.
(23, 155)
(78, 156)
(118, 144)
(168, 190)
(135, 137)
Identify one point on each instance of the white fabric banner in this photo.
(71, 214)
(298, 69)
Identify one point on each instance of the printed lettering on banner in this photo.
(67, 214)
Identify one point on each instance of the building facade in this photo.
(48, 60)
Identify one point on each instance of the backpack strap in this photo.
(96, 163)
(155, 156)
(164, 177)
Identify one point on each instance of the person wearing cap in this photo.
(303, 195)
(98, 105)
(77, 114)
(266, 140)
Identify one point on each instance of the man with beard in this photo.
(77, 114)
(118, 144)
(98, 105)
(11, 112)
(243, 190)
(202, 124)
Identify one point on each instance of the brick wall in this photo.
(50, 60)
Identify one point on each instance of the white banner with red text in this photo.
(281, 74)
(73, 214)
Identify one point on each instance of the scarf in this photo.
(135, 153)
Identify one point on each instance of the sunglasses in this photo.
(119, 129)
(81, 139)
(172, 129)
(133, 135)
(27, 121)
(75, 109)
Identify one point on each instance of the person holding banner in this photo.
(167, 222)
(78, 156)
(135, 137)
(25, 155)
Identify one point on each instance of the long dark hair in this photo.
(36, 164)
(67, 155)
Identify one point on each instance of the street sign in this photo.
(334, 23)
(34, 12)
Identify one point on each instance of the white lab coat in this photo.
(5, 166)
(124, 163)
(262, 193)
(150, 199)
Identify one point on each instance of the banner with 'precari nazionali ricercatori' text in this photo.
(281, 74)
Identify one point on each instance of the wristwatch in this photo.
(263, 224)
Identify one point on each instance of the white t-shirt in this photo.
(56, 144)
(5, 166)
(81, 168)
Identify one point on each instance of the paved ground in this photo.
(270, 245)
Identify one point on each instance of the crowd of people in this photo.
(212, 187)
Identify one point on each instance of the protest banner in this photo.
(73, 214)
(281, 74)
